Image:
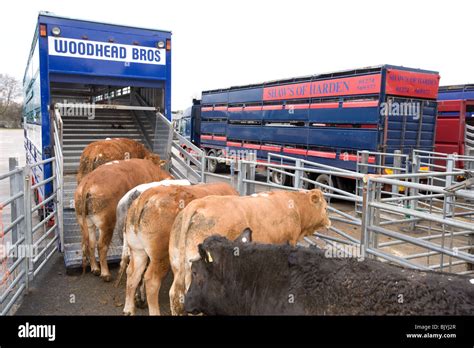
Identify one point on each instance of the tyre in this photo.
(213, 165)
(325, 180)
(279, 178)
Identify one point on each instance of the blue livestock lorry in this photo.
(325, 118)
(88, 81)
(90, 63)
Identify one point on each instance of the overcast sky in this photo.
(218, 44)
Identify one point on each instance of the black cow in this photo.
(235, 278)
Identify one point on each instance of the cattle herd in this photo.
(233, 255)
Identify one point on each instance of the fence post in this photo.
(362, 168)
(203, 167)
(365, 217)
(251, 174)
(397, 163)
(242, 186)
(28, 223)
(449, 182)
(298, 173)
(16, 185)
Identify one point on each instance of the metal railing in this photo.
(32, 236)
(403, 219)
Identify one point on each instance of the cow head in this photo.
(155, 159)
(207, 284)
(318, 209)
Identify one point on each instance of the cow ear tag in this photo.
(245, 236)
(209, 257)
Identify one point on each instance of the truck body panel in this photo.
(323, 118)
(91, 56)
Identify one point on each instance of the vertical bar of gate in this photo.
(298, 174)
(16, 185)
(397, 163)
(251, 173)
(203, 167)
(363, 168)
(449, 182)
(413, 203)
(365, 216)
(28, 223)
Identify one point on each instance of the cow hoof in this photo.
(127, 314)
(106, 278)
(96, 272)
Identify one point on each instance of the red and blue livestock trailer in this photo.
(325, 118)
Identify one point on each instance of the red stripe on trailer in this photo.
(253, 108)
(324, 106)
(270, 148)
(235, 109)
(233, 144)
(207, 108)
(206, 137)
(296, 106)
(220, 108)
(360, 104)
(368, 126)
(295, 151)
(218, 138)
(323, 154)
(449, 105)
(252, 146)
(354, 158)
(272, 107)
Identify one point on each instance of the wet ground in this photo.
(54, 292)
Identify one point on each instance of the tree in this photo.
(10, 108)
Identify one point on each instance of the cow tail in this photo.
(125, 255)
(185, 223)
(85, 229)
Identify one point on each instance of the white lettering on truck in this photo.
(64, 47)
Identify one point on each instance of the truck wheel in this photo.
(304, 184)
(325, 180)
(213, 165)
(279, 178)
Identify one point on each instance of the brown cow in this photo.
(147, 231)
(274, 217)
(100, 152)
(96, 199)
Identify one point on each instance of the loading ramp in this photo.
(118, 120)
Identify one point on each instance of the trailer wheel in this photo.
(279, 178)
(304, 184)
(213, 165)
(325, 180)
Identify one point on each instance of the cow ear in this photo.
(245, 236)
(202, 252)
(205, 255)
(316, 196)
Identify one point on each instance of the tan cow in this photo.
(100, 152)
(147, 230)
(96, 199)
(274, 217)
